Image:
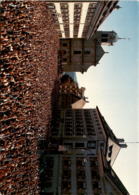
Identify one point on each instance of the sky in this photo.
(113, 86)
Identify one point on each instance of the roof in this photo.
(115, 179)
(99, 52)
(107, 129)
(78, 104)
(110, 173)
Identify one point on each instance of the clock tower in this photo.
(107, 38)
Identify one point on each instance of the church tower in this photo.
(107, 38)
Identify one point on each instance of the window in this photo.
(110, 193)
(64, 51)
(95, 185)
(66, 185)
(77, 52)
(109, 154)
(87, 52)
(109, 4)
(79, 145)
(67, 172)
(49, 172)
(101, 145)
(50, 162)
(92, 144)
(69, 145)
(104, 13)
(68, 133)
(110, 151)
(93, 165)
(80, 173)
(104, 40)
(48, 184)
(67, 162)
(81, 185)
(91, 133)
(105, 35)
(65, 44)
(110, 148)
(54, 132)
(79, 133)
(65, 59)
(79, 163)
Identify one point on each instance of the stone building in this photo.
(79, 158)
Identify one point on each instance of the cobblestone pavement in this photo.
(29, 74)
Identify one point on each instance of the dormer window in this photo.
(110, 151)
(109, 154)
(110, 148)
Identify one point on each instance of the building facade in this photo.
(78, 54)
(80, 19)
(79, 158)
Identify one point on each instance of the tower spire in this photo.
(124, 38)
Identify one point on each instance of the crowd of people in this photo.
(29, 82)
